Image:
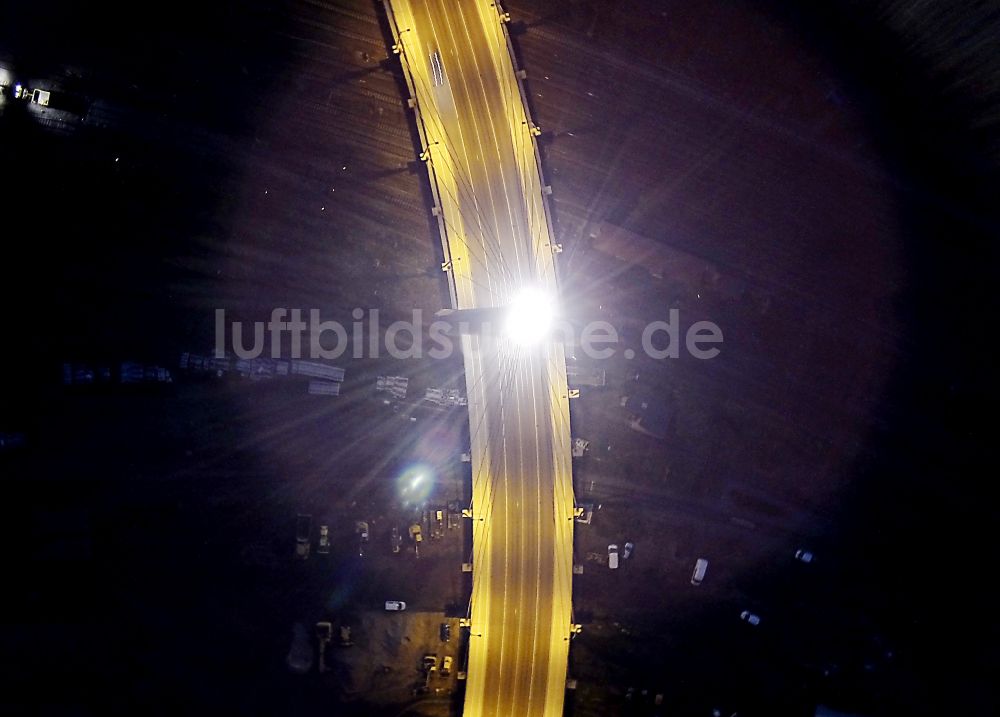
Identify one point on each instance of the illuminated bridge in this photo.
(479, 147)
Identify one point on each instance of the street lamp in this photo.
(426, 154)
(397, 48)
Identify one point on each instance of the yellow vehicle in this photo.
(416, 535)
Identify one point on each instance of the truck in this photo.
(445, 397)
(132, 372)
(311, 369)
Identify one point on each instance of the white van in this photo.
(613, 556)
(700, 568)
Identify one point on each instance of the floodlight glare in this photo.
(530, 316)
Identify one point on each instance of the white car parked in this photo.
(750, 618)
(395, 605)
(613, 556)
(700, 568)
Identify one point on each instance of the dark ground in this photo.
(837, 166)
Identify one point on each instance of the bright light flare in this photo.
(415, 483)
(530, 316)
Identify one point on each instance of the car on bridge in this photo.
(437, 71)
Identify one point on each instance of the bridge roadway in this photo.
(479, 147)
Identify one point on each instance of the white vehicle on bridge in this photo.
(437, 71)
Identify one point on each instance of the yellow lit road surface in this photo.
(479, 147)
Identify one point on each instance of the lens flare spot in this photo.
(415, 483)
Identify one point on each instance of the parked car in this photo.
(11, 440)
(324, 633)
(700, 568)
(323, 546)
(78, 374)
(415, 533)
(300, 655)
(587, 515)
(361, 528)
(613, 556)
(444, 632)
(750, 618)
(627, 553)
(446, 666)
(303, 532)
(804, 556)
(395, 540)
(395, 605)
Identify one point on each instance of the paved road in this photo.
(482, 161)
